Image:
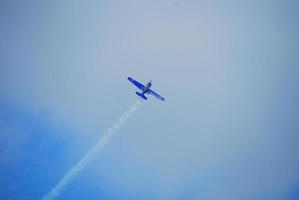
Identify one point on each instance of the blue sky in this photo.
(229, 71)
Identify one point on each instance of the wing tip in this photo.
(161, 98)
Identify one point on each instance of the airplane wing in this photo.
(156, 95)
(136, 83)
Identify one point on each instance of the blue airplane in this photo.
(145, 89)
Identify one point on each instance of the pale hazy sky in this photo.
(228, 70)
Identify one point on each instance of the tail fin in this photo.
(141, 95)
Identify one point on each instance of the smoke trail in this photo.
(90, 155)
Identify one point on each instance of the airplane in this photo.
(145, 89)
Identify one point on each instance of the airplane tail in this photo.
(141, 95)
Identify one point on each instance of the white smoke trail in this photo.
(90, 155)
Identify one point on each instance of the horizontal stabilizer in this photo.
(141, 95)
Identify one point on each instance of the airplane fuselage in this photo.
(147, 87)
